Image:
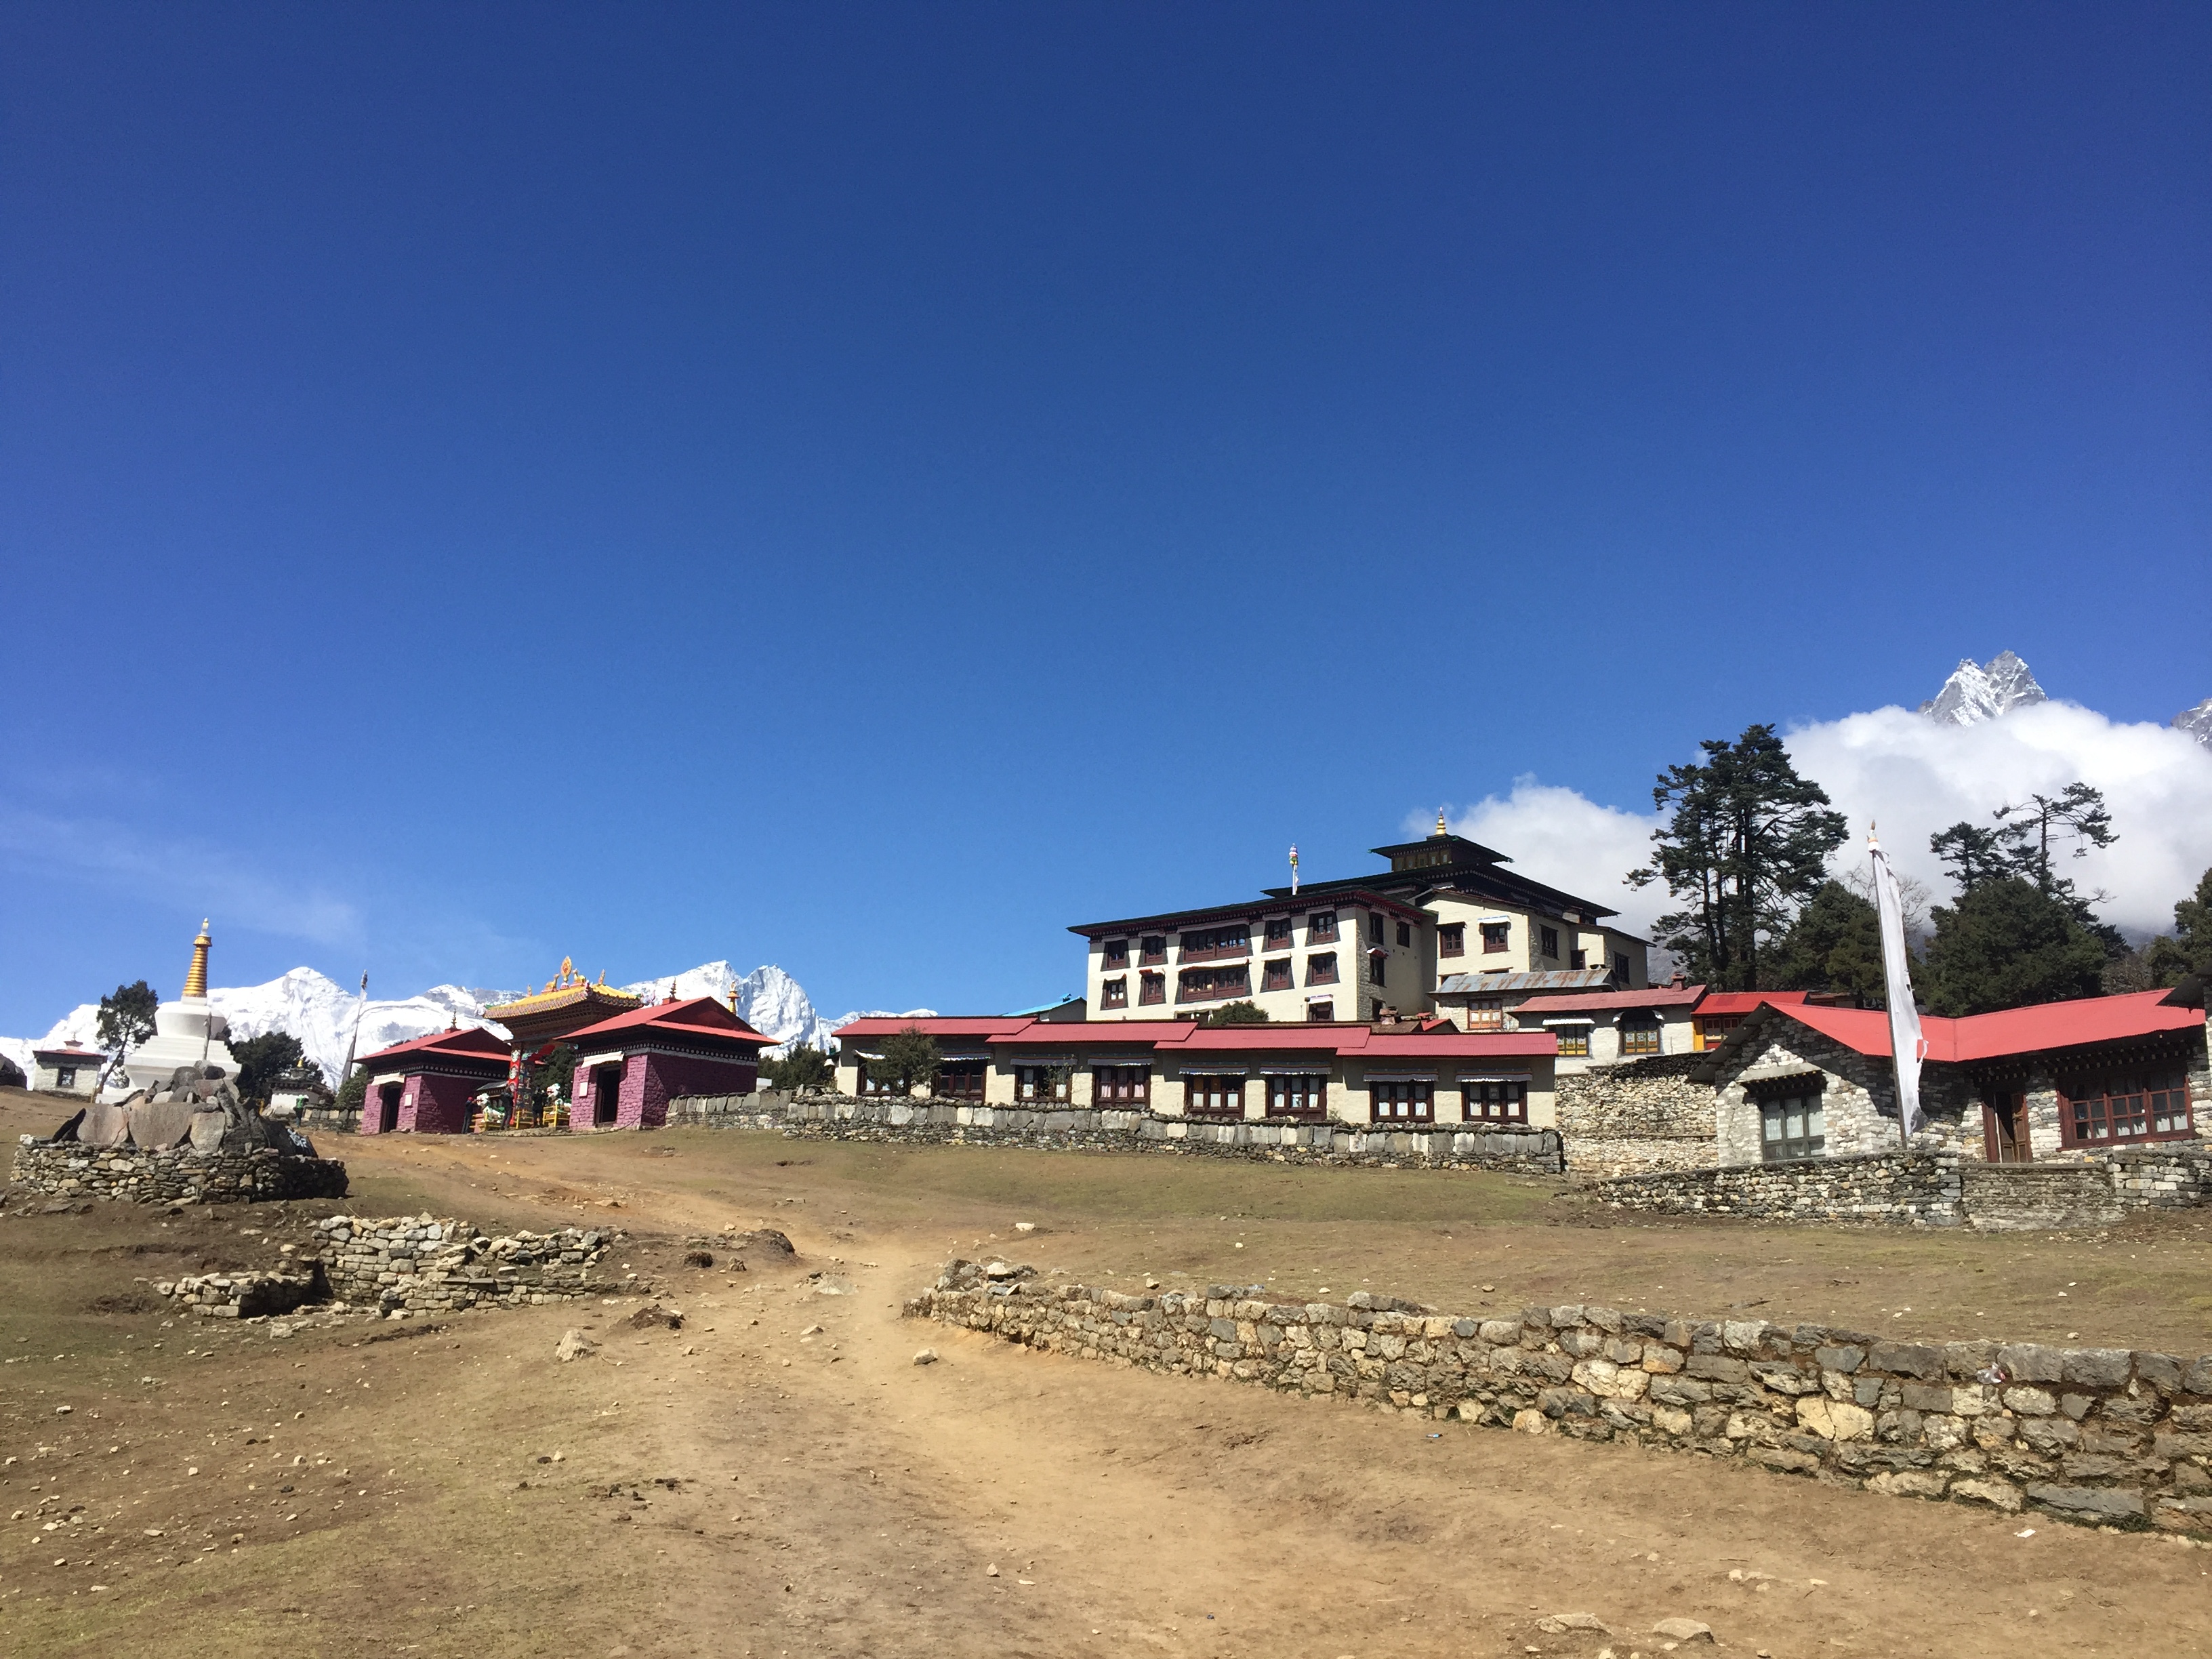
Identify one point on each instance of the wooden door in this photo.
(2004, 1129)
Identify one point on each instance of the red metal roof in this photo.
(2008, 1031)
(1599, 1002)
(68, 1051)
(1186, 1036)
(1446, 1045)
(941, 1025)
(473, 1043)
(1742, 1002)
(694, 1017)
(1119, 1033)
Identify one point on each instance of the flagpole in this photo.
(1906, 1045)
(361, 1007)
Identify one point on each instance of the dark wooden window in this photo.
(1276, 976)
(2149, 1103)
(1117, 953)
(1321, 1013)
(1375, 928)
(1792, 1126)
(1151, 988)
(961, 1079)
(65, 1078)
(1451, 939)
(1577, 959)
(1279, 932)
(1639, 1036)
(1494, 1100)
(1550, 946)
(1209, 944)
(1214, 1095)
(1120, 1085)
(1400, 1102)
(1302, 1097)
(1573, 1039)
(1486, 1014)
(1378, 965)
(1620, 970)
(1321, 927)
(1154, 947)
(1405, 932)
(1496, 937)
(1040, 1083)
(871, 1085)
(1321, 970)
(1114, 993)
(1213, 984)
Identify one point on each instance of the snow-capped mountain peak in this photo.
(1974, 694)
(2197, 721)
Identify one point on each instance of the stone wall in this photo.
(844, 1117)
(1859, 1099)
(69, 1169)
(2101, 1436)
(246, 1295)
(1637, 1117)
(1940, 1189)
(422, 1264)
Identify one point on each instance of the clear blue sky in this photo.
(863, 487)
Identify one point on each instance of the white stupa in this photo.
(186, 1032)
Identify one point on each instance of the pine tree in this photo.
(2006, 944)
(1834, 944)
(910, 1062)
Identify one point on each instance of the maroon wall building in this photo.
(627, 1068)
(426, 1086)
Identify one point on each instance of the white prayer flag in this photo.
(1907, 1047)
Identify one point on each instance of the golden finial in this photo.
(1440, 822)
(195, 976)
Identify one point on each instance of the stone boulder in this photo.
(104, 1126)
(159, 1125)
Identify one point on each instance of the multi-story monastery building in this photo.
(1447, 918)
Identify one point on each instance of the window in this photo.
(1713, 1029)
(1321, 970)
(1114, 992)
(1579, 959)
(1204, 944)
(1040, 1083)
(65, 1078)
(1305, 1095)
(1120, 1085)
(2130, 1105)
(1321, 927)
(1495, 936)
(1451, 939)
(1279, 932)
(1397, 1102)
(1639, 1036)
(1213, 1095)
(1117, 954)
(1405, 934)
(1151, 988)
(1321, 1013)
(1375, 928)
(1276, 974)
(1620, 970)
(1213, 984)
(1378, 963)
(1550, 947)
(1154, 947)
(1494, 1100)
(1486, 1014)
(961, 1079)
(871, 1085)
(1792, 1126)
(1573, 1039)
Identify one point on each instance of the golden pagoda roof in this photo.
(565, 989)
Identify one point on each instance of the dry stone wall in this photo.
(2107, 1436)
(176, 1174)
(1637, 1117)
(422, 1265)
(844, 1117)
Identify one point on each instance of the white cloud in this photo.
(1913, 777)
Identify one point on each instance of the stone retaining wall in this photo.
(2101, 1436)
(1937, 1189)
(69, 1169)
(844, 1117)
(422, 1264)
(246, 1295)
(1637, 1117)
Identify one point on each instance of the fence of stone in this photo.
(1637, 1117)
(1938, 1189)
(179, 1175)
(844, 1117)
(2103, 1436)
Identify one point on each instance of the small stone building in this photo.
(429, 1085)
(630, 1066)
(2058, 1081)
(67, 1070)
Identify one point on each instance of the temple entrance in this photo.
(606, 1095)
(2004, 1129)
(387, 1108)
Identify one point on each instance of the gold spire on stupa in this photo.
(1440, 829)
(196, 977)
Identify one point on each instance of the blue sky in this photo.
(865, 487)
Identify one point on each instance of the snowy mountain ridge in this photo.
(321, 1012)
(1974, 694)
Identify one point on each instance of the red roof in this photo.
(473, 1043)
(1600, 1002)
(68, 1050)
(1188, 1036)
(696, 1017)
(941, 1025)
(1118, 1033)
(2008, 1031)
(1469, 1044)
(1742, 1002)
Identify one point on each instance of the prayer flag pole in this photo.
(1907, 1046)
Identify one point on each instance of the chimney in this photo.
(1677, 981)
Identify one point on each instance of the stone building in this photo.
(429, 1085)
(630, 1066)
(66, 1070)
(1406, 1073)
(2058, 1081)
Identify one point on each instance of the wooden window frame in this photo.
(1395, 1100)
(1375, 930)
(1642, 1037)
(1378, 966)
(1322, 1013)
(1574, 1041)
(1115, 954)
(1497, 936)
(1451, 939)
(1405, 935)
(1030, 1080)
(1276, 975)
(1114, 993)
(1226, 943)
(1548, 939)
(1494, 1100)
(1121, 1087)
(1486, 1014)
(1216, 1095)
(1151, 949)
(980, 1070)
(1219, 984)
(1300, 1098)
(1321, 970)
(1783, 1148)
(1321, 927)
(2089, 1120)
(1152, 990)
(1275, 933)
